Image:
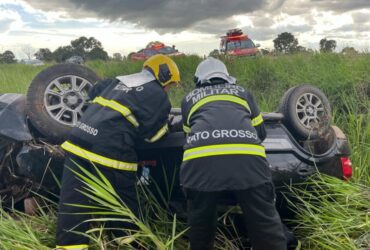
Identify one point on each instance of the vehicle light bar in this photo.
(346, 168)
(240, 37)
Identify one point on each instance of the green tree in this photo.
(285, 42)
(349, 51)
(214, 53)
(85, 44)
(301, 48)
(97, 54)
(87, 48)
(44, 54)
(63, 53)
(327, 46)
(7, 57)
(117, 57)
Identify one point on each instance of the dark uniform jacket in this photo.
(116, 119)
(223, 148)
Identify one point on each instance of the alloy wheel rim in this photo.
(309, 109)
(65, 99)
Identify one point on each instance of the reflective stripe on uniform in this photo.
(224, 149)
(257, 120)
(126, 112)
(74, 247)
(90, 156)
(214, 98)
(159, 134)
(186, 129)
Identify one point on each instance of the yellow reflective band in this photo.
(224, 149)
(74, 247)
(159, 134)
(186, 129)
(257, 120)
(117, 107)
(90, 156)
(214, 98)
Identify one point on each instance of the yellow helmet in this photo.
(163, 68)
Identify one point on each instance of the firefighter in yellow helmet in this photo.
(123, 111)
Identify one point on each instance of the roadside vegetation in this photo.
(332, 215)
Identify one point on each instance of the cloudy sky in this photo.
(194, 26)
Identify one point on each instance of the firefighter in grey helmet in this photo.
(223, 154)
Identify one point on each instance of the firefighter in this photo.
(223, 154)
(123, 111)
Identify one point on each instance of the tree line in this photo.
(287, 43)
(92, 49)
(87, 48)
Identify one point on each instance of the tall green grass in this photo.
(19, 231)
(353, 116)
(157, 228)
(267, 77)
(332, 215)
(15, 78)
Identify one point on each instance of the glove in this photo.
(175, 123)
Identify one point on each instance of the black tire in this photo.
(284, 99)
(307, 112)
(56, 99)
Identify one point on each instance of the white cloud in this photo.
(10, 19)
(308, 20)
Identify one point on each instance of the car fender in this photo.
(13, 122)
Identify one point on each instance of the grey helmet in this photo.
(212, 68)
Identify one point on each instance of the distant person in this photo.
(223, 153)
(123, 111)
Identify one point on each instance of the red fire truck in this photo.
(236, 43)
(154, 48)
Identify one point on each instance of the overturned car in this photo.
(300, 140)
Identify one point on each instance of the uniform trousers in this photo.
(260, 216)
(70, 218)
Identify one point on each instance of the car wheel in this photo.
(56, 99)
(307, 112)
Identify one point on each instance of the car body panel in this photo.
(13, 124)
(289, 161)
(243, 52)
